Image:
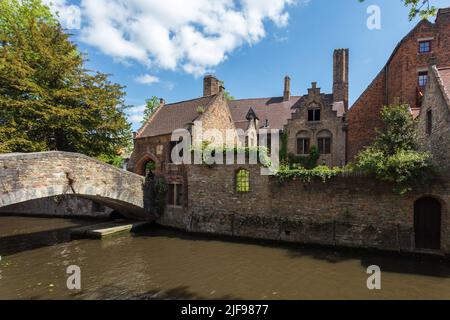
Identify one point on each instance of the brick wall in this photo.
(398, 81)
(352, 212)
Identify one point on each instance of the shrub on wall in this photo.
(393, 157)
(308, 162)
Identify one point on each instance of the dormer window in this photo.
(425, 46)
(314, 114)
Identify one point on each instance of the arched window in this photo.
(243, 181)
(303, 142)
(324, 142)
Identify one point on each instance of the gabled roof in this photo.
(443, 78)
(397, 47)
(273, 109)
(170, 117)
(328, 100)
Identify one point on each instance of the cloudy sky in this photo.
(164, 47)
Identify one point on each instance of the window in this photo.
(303, 146)
(324, 145)
(424, 46)
(314, 114)
(429, 122)
(175, 195)
(243, 181)
(423, 79)
(303, 142)
(324, 142)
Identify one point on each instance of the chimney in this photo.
(287, 89)
(162, 102)
(443, 16)
(211, 86)
(340, 76)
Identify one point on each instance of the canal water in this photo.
(164, 264)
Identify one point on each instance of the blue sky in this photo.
(282, 38)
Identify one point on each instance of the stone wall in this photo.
(329, 122)
(351, 211)
(67, 206)
(26, 177)
(438, 141)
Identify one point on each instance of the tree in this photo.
(422, 8)
(226, 94)
(48, 100)
(150, 107)
(393, 157)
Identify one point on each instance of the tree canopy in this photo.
(393, 157)
(48, 100)
(422, 8)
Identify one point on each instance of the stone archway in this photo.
(427, 223)
(142, 166)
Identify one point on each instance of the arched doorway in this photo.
(427, 223)
(146, 164)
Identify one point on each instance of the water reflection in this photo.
(166, 264)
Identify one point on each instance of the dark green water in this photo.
(158, 263)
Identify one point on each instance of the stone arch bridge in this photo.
(31, 176)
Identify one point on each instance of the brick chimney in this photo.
(340, 76)
(287, 89)
(443, 16)
(211, 86)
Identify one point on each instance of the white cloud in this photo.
(147, 79)
(69, 15)
(194, 36)
(136, 114)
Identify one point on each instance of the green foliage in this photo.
(284, 147)
(226, 94)
(114, 160)
(201, 110)
(208, 153)
(393, 157)
(48, 101)
(323, 173)
(151, 105)
(421, 8)
(308, 162)
(159, 191)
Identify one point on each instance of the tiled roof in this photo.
(173, 116)
(274, 109)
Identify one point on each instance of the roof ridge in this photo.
(263, 98)
(189, 100)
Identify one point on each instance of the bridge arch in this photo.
(25, 177)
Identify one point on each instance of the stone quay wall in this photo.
(345, 211)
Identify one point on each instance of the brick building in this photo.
(236, 200)
(403, 79)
